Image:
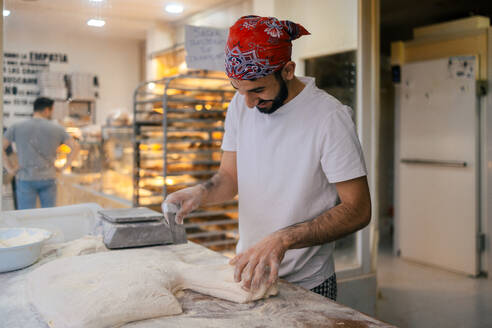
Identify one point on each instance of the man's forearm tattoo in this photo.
(212, 182)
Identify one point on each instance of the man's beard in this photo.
(278, 101)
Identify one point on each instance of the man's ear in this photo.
(288, 70)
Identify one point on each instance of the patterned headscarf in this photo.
(258, 46)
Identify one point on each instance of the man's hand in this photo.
(260, 264)
(219, 188)
(188, 199)
(12, 170)
(12, 167)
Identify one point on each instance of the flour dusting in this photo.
(24, 238)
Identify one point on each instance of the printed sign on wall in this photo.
(20, 79)
(205, 47)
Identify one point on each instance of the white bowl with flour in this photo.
(20, 247)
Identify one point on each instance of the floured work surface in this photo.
(110, 289)
(293, 307)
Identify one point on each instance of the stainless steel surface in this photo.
(433, 162)
(178, 230)
(137, 227)
(138, 214)
(136, 234)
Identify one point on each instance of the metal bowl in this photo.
(23, 253)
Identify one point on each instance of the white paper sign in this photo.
(205, 47)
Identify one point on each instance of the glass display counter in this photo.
(116, 174)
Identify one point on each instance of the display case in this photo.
(74, 113)
(88, 160)
(89, 157)
(108, 181)
(178, 129)
(116, 175)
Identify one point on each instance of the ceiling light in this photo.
(6, 12)
(96, 0)
(96, 22)
(151, 85)
(174, 8)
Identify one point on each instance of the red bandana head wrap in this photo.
(258, 46)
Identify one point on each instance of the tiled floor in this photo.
(414, 295)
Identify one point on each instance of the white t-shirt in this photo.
(288, 163)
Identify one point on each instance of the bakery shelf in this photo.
(200, 214)
(149, 101)
(211, 233)
(209, 223)
(219, 242)
(177, 137)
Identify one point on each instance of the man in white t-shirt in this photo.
(292, 155)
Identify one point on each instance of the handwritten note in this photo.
(205, 47)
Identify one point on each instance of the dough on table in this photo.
(112, 288)
(84, 245)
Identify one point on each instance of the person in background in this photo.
(292, 155)
(36, 141)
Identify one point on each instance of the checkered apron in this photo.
(328, 288)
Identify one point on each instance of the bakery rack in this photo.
(178, 127)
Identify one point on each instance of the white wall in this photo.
(165, 37)
(159, 37)
(332, 24)
(116, 62)
(264, 7)
(220, 17)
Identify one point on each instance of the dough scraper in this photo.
(137, 227)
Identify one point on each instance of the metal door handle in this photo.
(433, 162)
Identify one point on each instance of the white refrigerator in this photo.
(438, 164)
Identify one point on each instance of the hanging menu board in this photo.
(205, 47)
(20, 79)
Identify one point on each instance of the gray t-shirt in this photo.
(36, 141)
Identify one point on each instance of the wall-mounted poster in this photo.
(21, 71)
